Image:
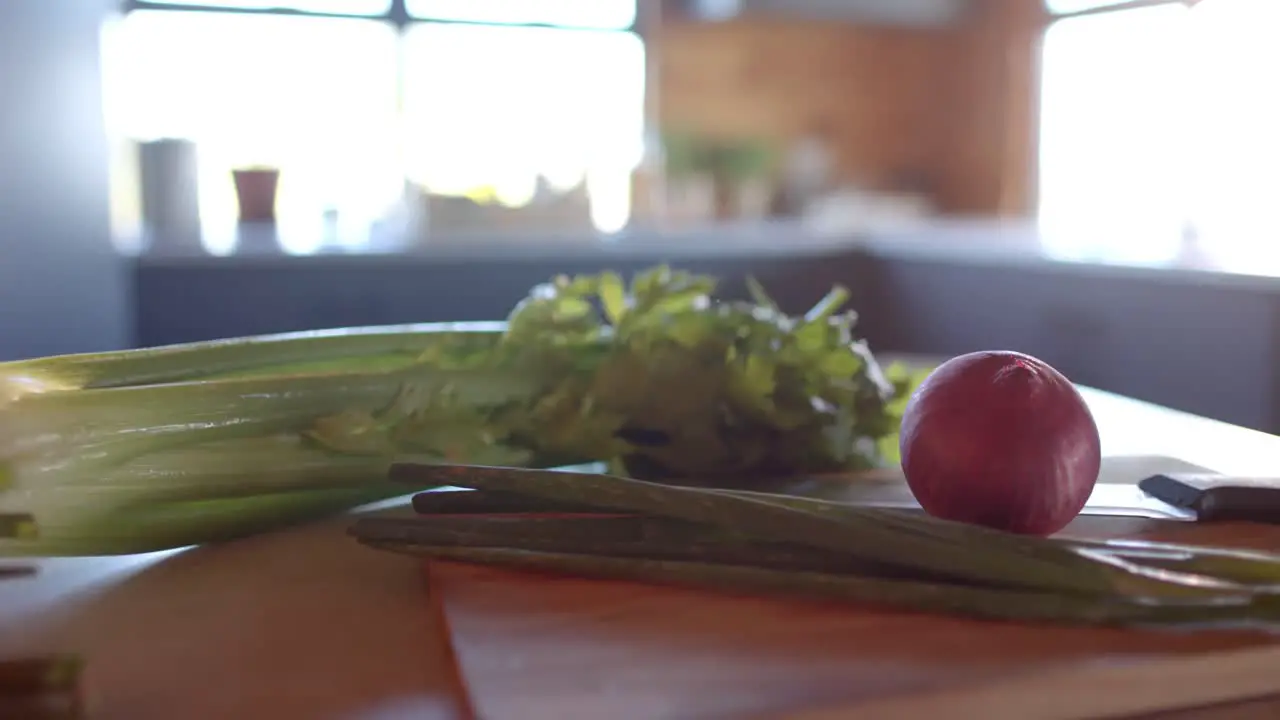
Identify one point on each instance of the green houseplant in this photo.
(729, 163)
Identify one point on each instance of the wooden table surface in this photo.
(305, 623)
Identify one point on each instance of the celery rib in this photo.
(665, 382)
(335, 350)
(118, 468)
(169, 525)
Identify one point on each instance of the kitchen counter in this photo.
(978, 241)
(1151, 320)
(305, 623)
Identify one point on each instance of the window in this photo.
(1111, 129)
(523, 104)
(1158, 127)
(461, 98)
(327, 119)
(1234, 124)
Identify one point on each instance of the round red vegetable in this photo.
(1000, 439)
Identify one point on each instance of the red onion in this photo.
(1000, 439)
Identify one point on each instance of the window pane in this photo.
(1234, 141)
(313, 96)
(603, 14)
(348, 7)
(1113, 128)
(497, 107)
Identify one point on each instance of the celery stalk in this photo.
(149, 449)
(106, 425)
(366, 349)
(168, 525)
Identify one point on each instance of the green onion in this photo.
(640, 537)
(906, 540)
(976, 602)
(602, 526)
(1252, 570)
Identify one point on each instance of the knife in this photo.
(888, 489)
(1218, 498)
(1117, 492)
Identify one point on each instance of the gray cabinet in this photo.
(1207, 348)
(1204, 347)
(182, 300)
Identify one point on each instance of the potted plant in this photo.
(727, 166)
(735, 166)
(256, 192)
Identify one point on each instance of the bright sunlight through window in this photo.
(1110, 135)
(264, 90)
(350, 108)
(1159, 123)
(520, 102)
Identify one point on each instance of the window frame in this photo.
(397, 15)
(1120, 6)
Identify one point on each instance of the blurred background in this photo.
(1084, 180)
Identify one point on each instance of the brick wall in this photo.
(950, 106)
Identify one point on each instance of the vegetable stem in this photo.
(972, 602)
(141, 449)
(621, 536)
(897, 539)
(909, 542)
(17, 525)
(166, 525)
(366, 348)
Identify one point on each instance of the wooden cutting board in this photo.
(299, 624)
(535, 646)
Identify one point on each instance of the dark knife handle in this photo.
(1217, 503)
(1241, 504)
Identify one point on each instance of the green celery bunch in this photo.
(152, 449)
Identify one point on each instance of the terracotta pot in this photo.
(256, 193)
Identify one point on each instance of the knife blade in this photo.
(888, 489)
(1218, 498)
(1116, 493)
